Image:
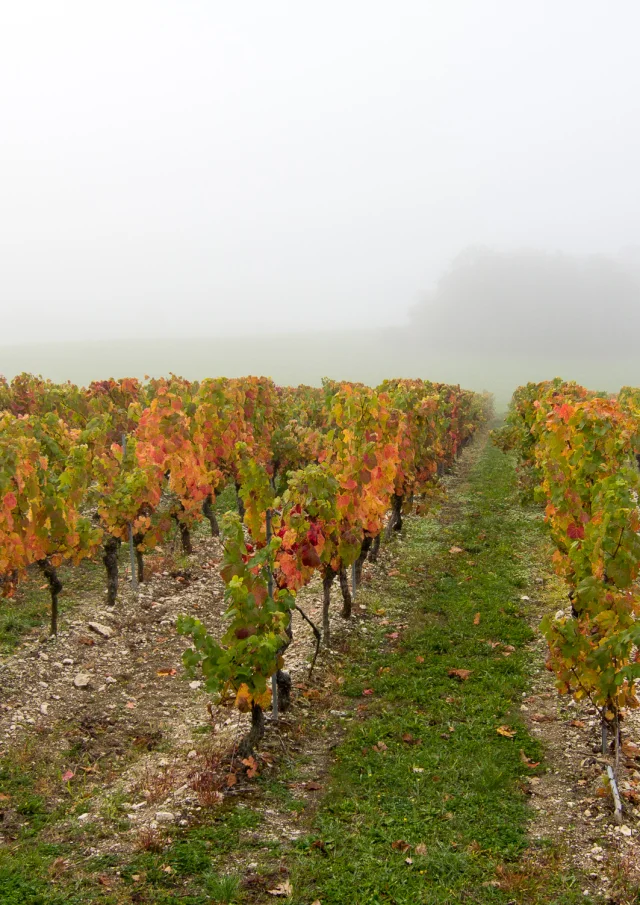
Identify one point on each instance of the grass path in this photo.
(427, 800)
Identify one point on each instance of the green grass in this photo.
(194, 867)
(458, 794)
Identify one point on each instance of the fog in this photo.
(173, 174)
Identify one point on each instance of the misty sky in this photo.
(210, 167)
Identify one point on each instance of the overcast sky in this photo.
(200, 167)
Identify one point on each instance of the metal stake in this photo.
(274, 677)
(353, 580)
(132, 554)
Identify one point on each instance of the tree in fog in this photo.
(503, 302)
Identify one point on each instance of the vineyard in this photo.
(289, 572)
(315, 472)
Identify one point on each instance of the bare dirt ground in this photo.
(572, 800)
(107, 705)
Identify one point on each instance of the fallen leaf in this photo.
(379, 747)
(4, 797)
(251, 765)
(476, 619)
(400, 845)
(131, 704)
(408, 860)
(408, 739)
(393, 636)
(393, 573)
(506, 731)
(167, 869)
(578, 724)
(285, 889)
(543, 718)
(419, 659)
(368, 691)
(630, 749)
(461, 674)
(86, 640)
(66, 776)
(104, 881)
(526, 761)
(456, 550)
(167, 671)
(231, 780)
(418, 769)
(312, 786)
(420, 849)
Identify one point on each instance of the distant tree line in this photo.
(534, 301)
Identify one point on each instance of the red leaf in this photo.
(10, 500)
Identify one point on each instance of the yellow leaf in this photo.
(506, 731)
(243, 699)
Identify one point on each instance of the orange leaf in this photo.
(476, 619)
(461, 674)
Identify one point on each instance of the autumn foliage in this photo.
(577, 448)
(316, 470)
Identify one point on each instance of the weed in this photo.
(150, 839)
(222, 889)
(156, 785)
